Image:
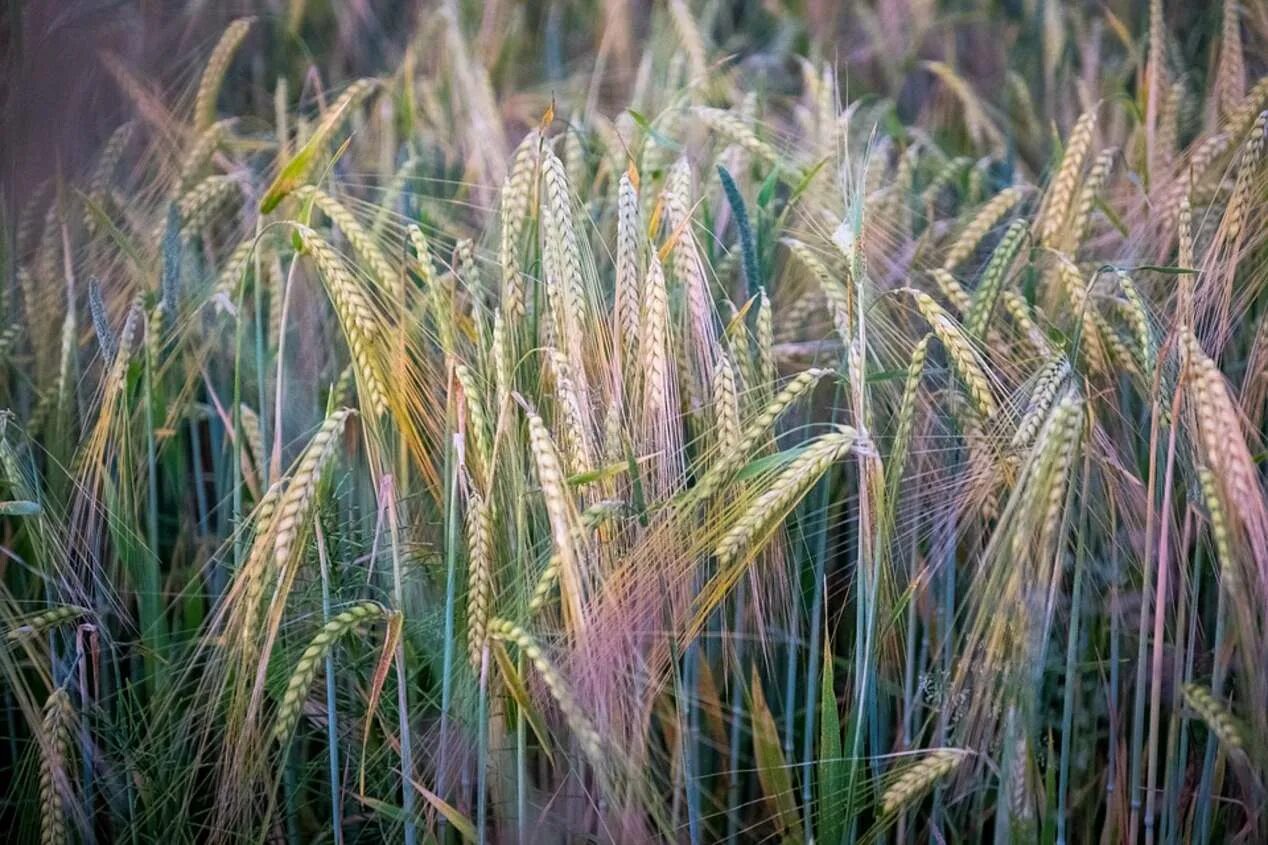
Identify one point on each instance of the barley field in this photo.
(681, 421)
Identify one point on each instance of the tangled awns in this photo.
(679, 421)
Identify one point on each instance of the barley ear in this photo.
(55, 781)
(214, 73)
(479, 575)
(1218, 718)
(918, 778)
(306, 669)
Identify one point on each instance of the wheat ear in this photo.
(54, 768)
(293, 509)
(1221, 722)
(985, 220)
(214, 73)
(479, 575)
(785, 491)
(306, 669)
(963, 358)
(33, 626)
(1061, 191)
(918, 778)
(993, 278)
(355, 314)
(578, 722)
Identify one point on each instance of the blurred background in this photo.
(60, 98)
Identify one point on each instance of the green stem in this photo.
(1071, 659)
(402, 685)
(332, 724)
(451, 587)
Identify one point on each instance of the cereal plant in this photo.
(673, 421)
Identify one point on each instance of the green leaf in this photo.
(767, 191)
(1112, 217)
(807, 177)
(772, 771)
(460, 822)
(383, 808)
(1169, 270)
(659, 137)
(603, 473)
(1048, 835)
(769, 463)
(831, 758)
(19, 508)
(636, 488)
(297, 170)
(885, 375)
(121, 240)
